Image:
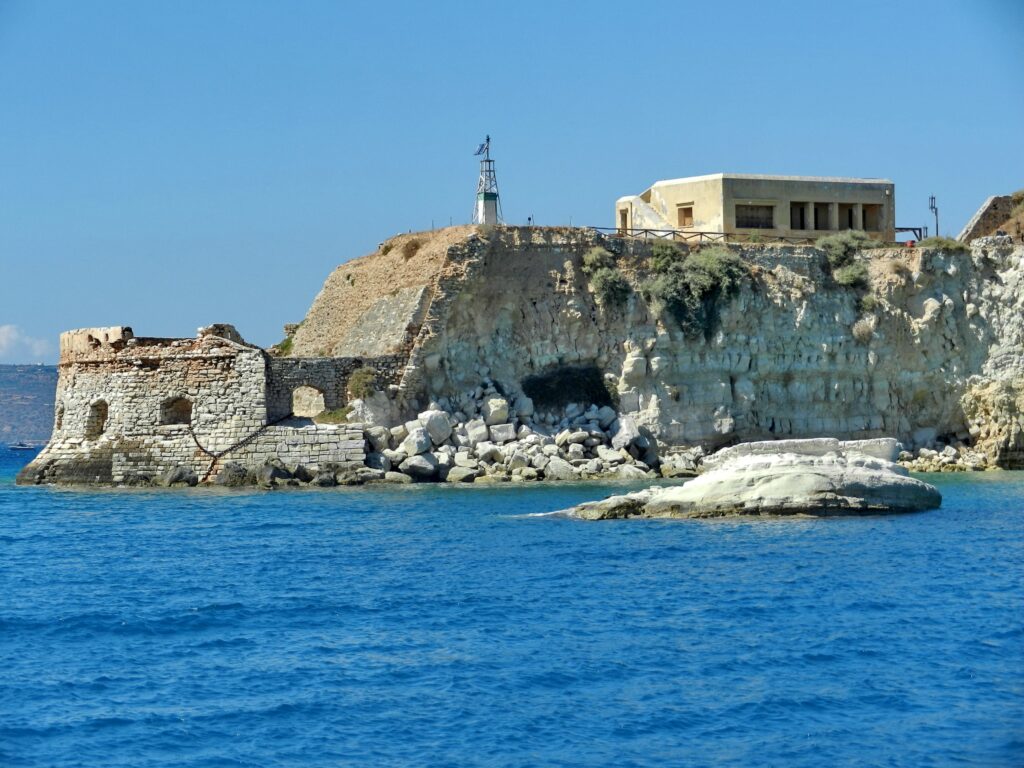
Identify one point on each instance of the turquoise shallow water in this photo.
(438, 626)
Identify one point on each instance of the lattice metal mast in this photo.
(488, 204)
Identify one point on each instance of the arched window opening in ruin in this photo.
(97, 421)
(307, 402)
(59, 422)
(177, 410)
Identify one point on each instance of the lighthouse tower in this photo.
(488, 206)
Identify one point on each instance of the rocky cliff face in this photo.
(932, 348)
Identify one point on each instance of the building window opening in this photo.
(684, 215)
(798, 216)
(873, 218)
(307, 402)
(177, 410)
(97, 421)
(623, 220)
(846, 216)
(59, 421)
(821, 216)
(755, 217)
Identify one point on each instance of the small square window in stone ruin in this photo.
(177, 410)
(307, 402)
(684, 215)
(755, 217)
(97, 421)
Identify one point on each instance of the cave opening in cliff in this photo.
(568, 384)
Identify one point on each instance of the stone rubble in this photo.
(482, 436)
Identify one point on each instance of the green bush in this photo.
(853, 275)
(363, 382)
(944, 244)
(665, 253)
(840, 248)
(597, 258)
(867, 303)
(690, 289)
(610, 286)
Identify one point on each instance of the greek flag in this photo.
(480, 149)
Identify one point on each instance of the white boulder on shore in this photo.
(818, 477)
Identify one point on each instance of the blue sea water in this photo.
(441, 626)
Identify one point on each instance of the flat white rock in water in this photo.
(820, 477)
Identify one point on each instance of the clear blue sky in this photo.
(166, 165)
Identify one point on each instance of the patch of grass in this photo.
(337, 416)
(284, 347)
(690, 288)
(568, 384)
(944, 244)
(410, 247)
(362, 383)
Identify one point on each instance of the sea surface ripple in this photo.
(446, 627)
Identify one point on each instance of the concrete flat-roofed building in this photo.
(736, 204)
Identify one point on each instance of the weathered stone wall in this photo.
(329, 375)
(115, 392)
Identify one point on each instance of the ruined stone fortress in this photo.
(493, 356)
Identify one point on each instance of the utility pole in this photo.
(934, 209)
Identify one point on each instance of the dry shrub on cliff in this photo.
(863, 330)
(690, 288)
(363, 382)
(853, 275)
(841, 247)
(410, 247)
(597, 258)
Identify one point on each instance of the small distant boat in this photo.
(22, 447)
